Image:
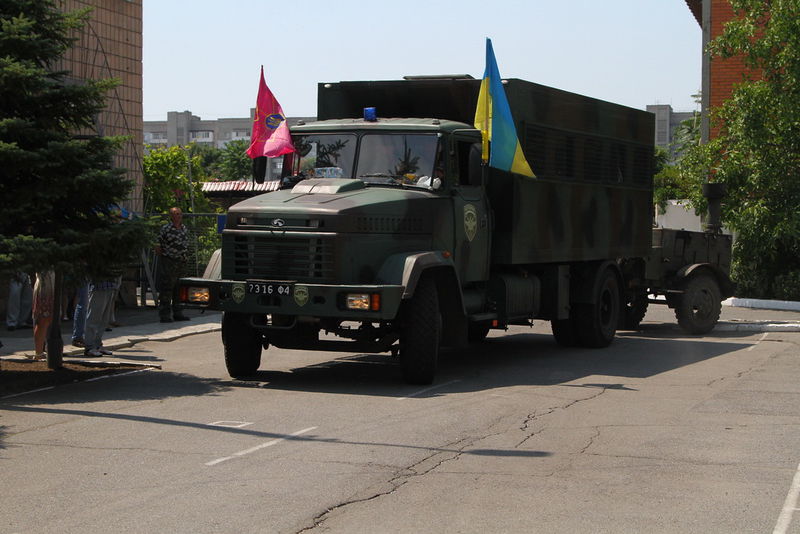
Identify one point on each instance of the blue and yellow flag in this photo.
(493, 118)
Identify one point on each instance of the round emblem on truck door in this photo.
(237, 292)
(301, 295)
(470, 221)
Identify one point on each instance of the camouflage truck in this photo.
(390, 235)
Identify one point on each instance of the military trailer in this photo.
(391, 235)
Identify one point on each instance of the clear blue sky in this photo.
(204, 55)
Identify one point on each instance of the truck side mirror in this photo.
(259, 169)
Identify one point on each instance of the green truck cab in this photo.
(390, 235)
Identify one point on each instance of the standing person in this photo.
(43, 304)
(79, 317)
(98, 313)
(172, 248)
(18, 309)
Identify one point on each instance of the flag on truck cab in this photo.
(270, 135)
(493, 118)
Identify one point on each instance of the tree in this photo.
(173, 176)
(234, 163)
(757, 152)
(57, 180)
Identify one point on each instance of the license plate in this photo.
(280, 289)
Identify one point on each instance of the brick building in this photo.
(110, 46)
(720, 75)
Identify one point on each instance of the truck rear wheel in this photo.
(421, 331)
(242, 344)
(698, 308)
(597, 322)
(565, 332)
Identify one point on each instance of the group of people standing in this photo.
(32, 305)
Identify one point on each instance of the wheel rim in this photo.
(702, 305)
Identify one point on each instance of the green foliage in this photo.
(234, 163)
(58, 188)
(671, 182)
(757, 153)
(174, 177)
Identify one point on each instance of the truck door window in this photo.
(396, 158)
(324, 155)
(469, 163)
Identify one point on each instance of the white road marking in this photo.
(789, 505)
(103, 377)
(28, 392)
(762, 338)
(258, 447)
(420, 392)
(230, 424)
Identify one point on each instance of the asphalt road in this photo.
(658, 433)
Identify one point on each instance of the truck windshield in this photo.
(324, 155)
(396, 158)
(382, 158)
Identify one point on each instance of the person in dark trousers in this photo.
(172, 249)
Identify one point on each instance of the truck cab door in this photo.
(471, 211)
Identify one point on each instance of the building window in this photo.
(202, 136)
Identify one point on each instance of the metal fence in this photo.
(204, 238)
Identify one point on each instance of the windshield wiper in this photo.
(393, 178)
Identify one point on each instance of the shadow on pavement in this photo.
(512, 360)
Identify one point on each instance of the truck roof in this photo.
(430, 125)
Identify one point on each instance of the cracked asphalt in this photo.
(661, 432)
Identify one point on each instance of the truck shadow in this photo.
(510, 360)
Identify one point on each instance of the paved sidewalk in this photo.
(137, 325)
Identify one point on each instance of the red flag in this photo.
(270, 135)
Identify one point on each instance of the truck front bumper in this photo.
(346, 302)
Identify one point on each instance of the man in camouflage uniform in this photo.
(172, 248)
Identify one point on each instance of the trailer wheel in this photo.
(635, 310)
(420, 334)
(565, 332)
(698, 308)
(242, 344)
(597, 323)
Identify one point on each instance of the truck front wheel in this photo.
(242, 344)
(698, 308)
(420, 334)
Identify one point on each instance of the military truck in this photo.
(391, 234)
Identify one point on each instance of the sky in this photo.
(204, 56)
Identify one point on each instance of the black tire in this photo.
(698, 308)
(597, 323)
(565, 332)
(242, 344)
(420, 335)
(635, 310)
(477, 332)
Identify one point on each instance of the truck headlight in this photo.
(198, 295)
(357, 301)
(363, 301)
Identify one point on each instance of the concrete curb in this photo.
(123, 342)
(758, 326)
(783, 305)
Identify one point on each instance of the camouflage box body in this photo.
(592, 195)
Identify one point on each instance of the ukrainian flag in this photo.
(493, 118)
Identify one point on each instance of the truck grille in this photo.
(271, 258)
